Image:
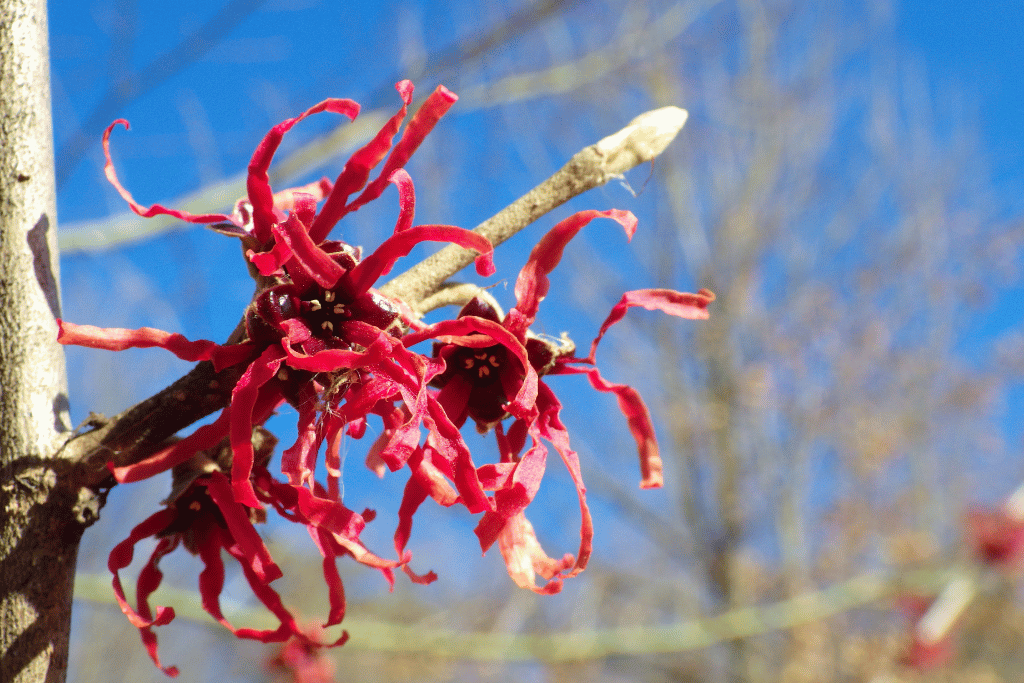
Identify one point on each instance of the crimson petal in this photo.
(120, 557)
(532, 284)
(119, 339)
(679, 304)
(357, 169)
(155, 209)
(206, 436)
(258, 183)
(243, 401)
(422, 122)
(406, 199)
(250, 545)
(380, 262)
(637, 416)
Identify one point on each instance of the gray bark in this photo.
(39, 532)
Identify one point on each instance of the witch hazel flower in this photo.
(318, 336)
(493, 366)
(202, 517)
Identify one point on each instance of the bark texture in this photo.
(39, 531)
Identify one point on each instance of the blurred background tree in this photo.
(823, 433)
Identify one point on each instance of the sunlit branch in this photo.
(456, 294)
(641, 141)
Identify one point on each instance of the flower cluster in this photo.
(318, 336)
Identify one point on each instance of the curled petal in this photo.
(289, 199)
(333, 458)
(416, 491)
(271, 600)
(243, 418)
(380, 262)
(298, 461)
(446, 439)
(550, 427)
(251, 548)
(206, 436)
(412, 497)
(406, 199)
(433, 476)
(328, 360)
(258, 183)
(156, 209)
(422, 122)
(679, 304)
(121, 556)
(532, 284)
(269, 262)
(314, 261)
(335, 587)
(353, 177)
(495, 475)
(302, 205)
(392, 417)
(637, 416)
(512, 498)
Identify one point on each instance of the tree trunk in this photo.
(39, 532)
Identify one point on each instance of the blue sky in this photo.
(202, 125)
(978, 49)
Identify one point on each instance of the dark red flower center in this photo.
(480, 366)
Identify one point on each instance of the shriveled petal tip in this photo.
(525, 558)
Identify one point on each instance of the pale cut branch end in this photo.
(642, 140)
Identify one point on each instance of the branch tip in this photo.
(643, 139)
